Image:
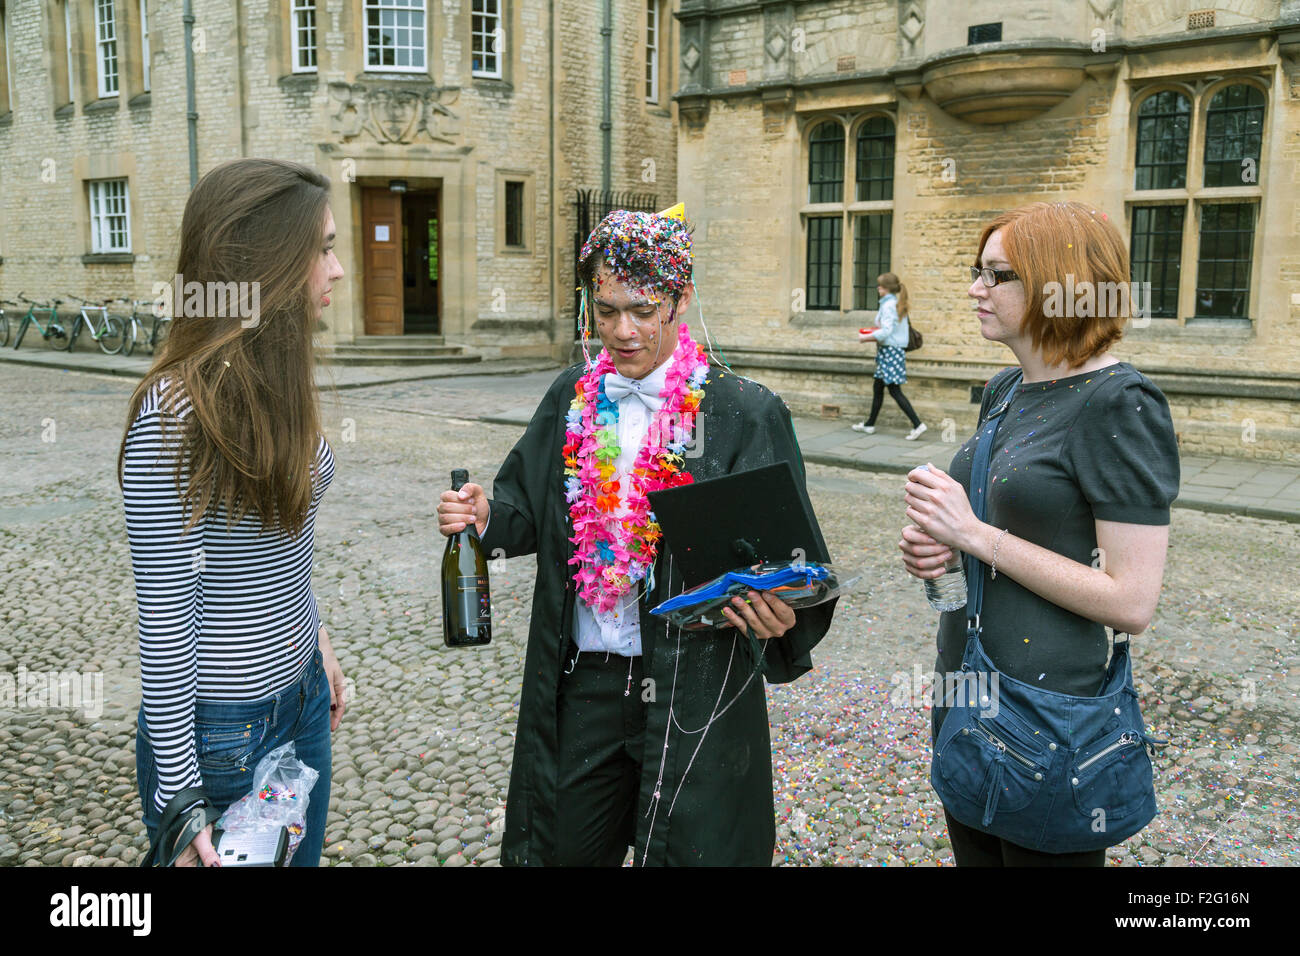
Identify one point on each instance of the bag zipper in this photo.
(1125, 740)
(1002, 746)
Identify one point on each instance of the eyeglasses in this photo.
(992, 277)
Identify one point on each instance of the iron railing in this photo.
(593, 205)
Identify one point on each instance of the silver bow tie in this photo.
(618, 387)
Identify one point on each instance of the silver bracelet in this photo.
(993, 566)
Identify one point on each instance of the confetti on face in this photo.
(644, 251)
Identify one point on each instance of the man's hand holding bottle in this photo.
(455, 508)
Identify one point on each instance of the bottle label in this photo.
(475, 600)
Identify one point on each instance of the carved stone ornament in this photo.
(691, 57)
(912, 27)
(394, 114)
(775, 46)
(1102, 8)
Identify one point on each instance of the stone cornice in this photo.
(906, 72)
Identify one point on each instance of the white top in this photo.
(892, 327)
(224, 614)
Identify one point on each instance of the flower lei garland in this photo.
(612, 551)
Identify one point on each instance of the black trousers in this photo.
(601, 738)
(977, 848)
(896, 393)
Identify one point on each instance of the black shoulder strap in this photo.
(184, 818)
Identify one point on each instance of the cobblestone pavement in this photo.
(423, 754)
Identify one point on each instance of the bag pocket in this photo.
(981, 756)
(228, 746)
(1113, 775)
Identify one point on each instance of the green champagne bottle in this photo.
(466, 600)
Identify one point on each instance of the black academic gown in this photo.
(721, 812)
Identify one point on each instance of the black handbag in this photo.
(1044, 770)
(914, 339)
(184, 818)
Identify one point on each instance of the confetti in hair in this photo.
(646, 251)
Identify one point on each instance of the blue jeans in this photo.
(228, 753)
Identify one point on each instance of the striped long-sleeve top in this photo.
(225, 614)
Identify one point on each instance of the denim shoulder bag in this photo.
(1044, 770)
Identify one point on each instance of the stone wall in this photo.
(539, 122)
(1234, 389)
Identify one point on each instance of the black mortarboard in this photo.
(721, 524)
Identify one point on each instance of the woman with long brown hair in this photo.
(222, 467)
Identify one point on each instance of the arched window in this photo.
(875, 164)
(1234, 129)
(1164, 121)
(826, 163)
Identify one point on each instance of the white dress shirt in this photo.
(618, 631)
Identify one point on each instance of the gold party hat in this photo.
(677, 212)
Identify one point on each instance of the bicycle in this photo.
(54, 334)
(4, 322)
(105, 329)
(134, 326)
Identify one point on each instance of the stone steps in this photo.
(397, 350)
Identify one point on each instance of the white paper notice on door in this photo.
(381, 233)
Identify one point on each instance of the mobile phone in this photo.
(253, 848)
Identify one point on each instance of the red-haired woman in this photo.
(222, 468)
(1085, 466)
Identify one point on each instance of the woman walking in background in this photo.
(222, 468)
(891, 363)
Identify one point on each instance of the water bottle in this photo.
(948, 592)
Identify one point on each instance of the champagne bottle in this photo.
(466, 600)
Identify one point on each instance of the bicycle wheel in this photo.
(110, 335)
(56, 337)
(160, 335)
(4, 330)
(132, 330)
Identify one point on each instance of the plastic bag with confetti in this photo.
(281, 787)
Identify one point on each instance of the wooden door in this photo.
(381, 218)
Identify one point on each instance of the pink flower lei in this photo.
(613, 552)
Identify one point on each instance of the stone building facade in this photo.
(826, 141)
(489, 115)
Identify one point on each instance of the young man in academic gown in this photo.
(635, 733)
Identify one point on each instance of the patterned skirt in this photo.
(891, 366)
